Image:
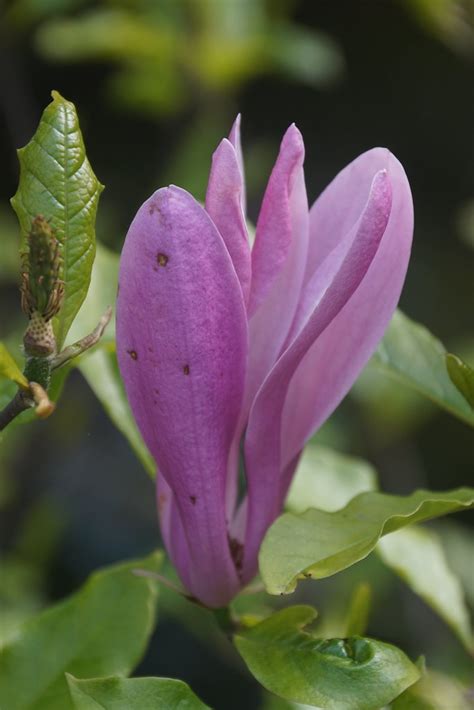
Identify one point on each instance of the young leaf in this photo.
(9, 369)
(115, 693)
(102, 629)
(57, 181)
(462, 376)
(319, 544)
(416, 554)
(327, 480)
(414, 356)
(335, 674)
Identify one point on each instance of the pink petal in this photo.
(224, 201)
(278, 260)
(263, 437)
(234, 138)
(334, 362)
(182, 347)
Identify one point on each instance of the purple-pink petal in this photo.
(278, 261)
(335, 360)
(224, 200)
(182, 347)
(263, 443)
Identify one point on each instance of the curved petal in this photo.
(332, 365)
(263, 459)
(278, 260)
(224, 200)
(182, 348)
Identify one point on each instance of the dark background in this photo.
(73, 496)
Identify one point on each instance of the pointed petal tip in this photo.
(293, 140)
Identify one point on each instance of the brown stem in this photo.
(20, 402)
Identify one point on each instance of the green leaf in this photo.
(116, 693)
(328, 480)
(414, 356)
(462, 377)
(57, 181)
(9, 369)
(434, 691)
(319, 544)
(101, 372)
(416, 554)
(337, 674)
(102, 629)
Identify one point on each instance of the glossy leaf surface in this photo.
(335, 674)
(57, 181)
(319, 544)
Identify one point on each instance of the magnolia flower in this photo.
(233, 356)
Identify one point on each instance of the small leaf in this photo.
(336, 674)
(416, 554)
(115, 693)
(414, 356)
(9, 369)
(57, 181)
(319, 544)
(462, 376)
(102, 629)
(327, 480)
(359, 610)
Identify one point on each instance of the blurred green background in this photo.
(157, 84)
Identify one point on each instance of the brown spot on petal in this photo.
(162, 259)
(133, 354)
(161, 502)
(192, 499)
(186, 369)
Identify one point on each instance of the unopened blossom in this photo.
(232, 356)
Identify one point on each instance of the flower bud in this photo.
(42, 290)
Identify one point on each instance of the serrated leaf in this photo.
(57, 181)
(319, 544)
(328, 480)
(414, 356)
(351, 674)
(9, 369)
(462, 376)
(416, 554)
(116, 693)
(102, 629)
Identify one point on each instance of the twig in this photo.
(20, 403)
